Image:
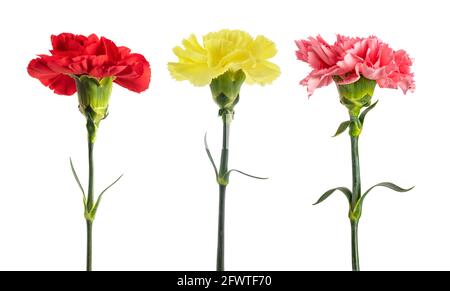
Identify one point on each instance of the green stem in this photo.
(355, 253)
(356, 195)
(355, 171)
(90, 197)
(223, 181)
(89, 246)
(221, 230)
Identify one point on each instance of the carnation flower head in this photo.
(89, 66)
(350, 59)
(222, 51)
(77, 55)
(226, 60)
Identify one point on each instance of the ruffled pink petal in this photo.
(323, 51)
(315, 82)
(319, 78)
(372, 73)
(302, 52)
(349, 79)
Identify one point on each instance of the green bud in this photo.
(93, 99)
(355, 126)
(357, 95)
(225, 90)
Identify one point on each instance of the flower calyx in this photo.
(356, 95)
(225, 90)
(93, 99)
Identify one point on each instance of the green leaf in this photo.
(78, 181)
(94, 209)
(358, 207)
(364, 113)
(327, 194)
(85, 203)
(211, 158)
(389, 185)
(342, 127)
(245, 174)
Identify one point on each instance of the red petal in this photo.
(137, 77)
(110, 49)
(63, 85)
(38, 69)
(60, 83)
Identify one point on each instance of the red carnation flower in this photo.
(77, 55)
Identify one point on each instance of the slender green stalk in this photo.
(221, 231)
(355, 171)
(355, 253)
(90, 197)
(89, 246)
(356, 194)
(223, 181)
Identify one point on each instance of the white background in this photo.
(163, 213)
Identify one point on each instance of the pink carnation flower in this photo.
(350, 58)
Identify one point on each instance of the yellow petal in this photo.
(237, 38)
(217, 49)
(238, 60)
(262, 73)
(197, 74)
(189, 56)
(223, 56)
(263, 48)
(192, 52)
(192, 44)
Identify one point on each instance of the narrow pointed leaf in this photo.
(327, 194)
(245, 174)
(78, 181)
(342, 127)
(387, 185)
(94, 209)
(211, 158)
(358, 207)
(364, 113)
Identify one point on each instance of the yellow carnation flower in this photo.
(223, 51)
